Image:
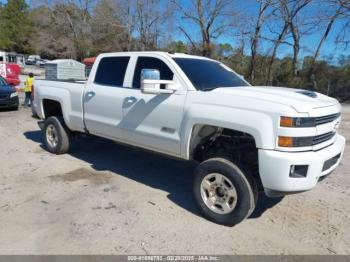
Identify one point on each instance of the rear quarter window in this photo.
(111, 71)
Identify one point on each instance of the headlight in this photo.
(13, 94)
(297, 121)
(286, 141)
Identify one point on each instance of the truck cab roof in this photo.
(162, 53)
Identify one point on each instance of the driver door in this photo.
(153, 120)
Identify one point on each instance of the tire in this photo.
(236, 194)
(56, 135)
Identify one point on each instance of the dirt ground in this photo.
(104, 198)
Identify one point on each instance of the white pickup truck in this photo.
(244, 138)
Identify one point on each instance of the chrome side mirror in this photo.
(150, 74)
(150, 83)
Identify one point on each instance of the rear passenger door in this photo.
(104, 96)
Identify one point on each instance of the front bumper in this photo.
(9, 102)
(274, 167)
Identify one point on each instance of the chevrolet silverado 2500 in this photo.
(244, 138)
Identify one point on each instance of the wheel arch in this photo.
(54, 107)
(201, 131)
(259, 125)
(51, 107)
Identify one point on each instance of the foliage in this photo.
(15, 26)
(248, 43)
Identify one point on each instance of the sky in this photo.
(329, 47)
(249, 8)
(308, 42)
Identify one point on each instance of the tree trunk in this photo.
(322, 40)
(274, 52)
(255, 40)
(296, 47)
(206, 49)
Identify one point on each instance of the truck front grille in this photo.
(326, 119)
(3, 96)
(323, 138)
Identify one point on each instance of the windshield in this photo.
(208, 74)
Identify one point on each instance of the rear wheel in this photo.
(224, 193)
(56, 135)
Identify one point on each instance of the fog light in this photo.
(298, 171)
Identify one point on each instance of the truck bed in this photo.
(64, 80)
(69, 91)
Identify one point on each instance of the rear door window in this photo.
(111, 71)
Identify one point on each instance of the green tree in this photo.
(177, 47)
(15, 26)
(224, 50)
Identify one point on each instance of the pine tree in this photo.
(15, 26)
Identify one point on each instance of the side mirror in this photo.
(150, 83)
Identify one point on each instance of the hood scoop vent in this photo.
(307, 93)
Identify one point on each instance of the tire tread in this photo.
(243, 180)
(63, 134)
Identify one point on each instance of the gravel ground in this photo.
(104, 198)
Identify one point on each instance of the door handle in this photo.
(131, 99)
(90, 94)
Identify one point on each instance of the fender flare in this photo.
(256, 124)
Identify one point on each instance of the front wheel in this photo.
(224, 193)
(56, 135)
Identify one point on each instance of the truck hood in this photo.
(301, 100)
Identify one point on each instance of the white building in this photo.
(12, 57)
